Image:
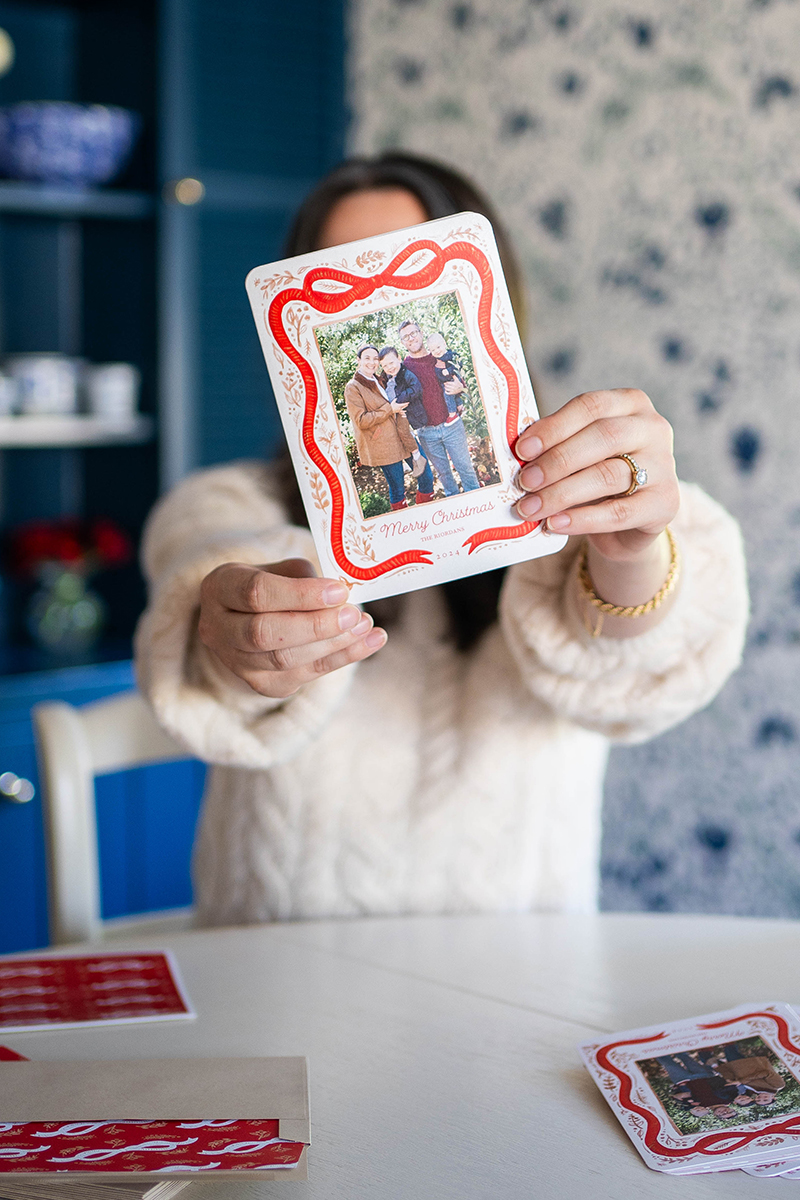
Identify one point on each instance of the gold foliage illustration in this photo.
(319, 491)
(370, 258)
(293, 387)
(466, 276)
(464, 234)
(420, 258)
(330, 442)
(501, 330)
(358, 541)
(295, 319)
(277, 282)
(511, 494)
(500, 391)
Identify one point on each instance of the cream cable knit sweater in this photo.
(422, 780)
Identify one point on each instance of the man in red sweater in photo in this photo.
(443, 437)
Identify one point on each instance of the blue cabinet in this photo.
(78, 276)
(23, 896)
(247, 97)
(146, 817)
(253, 107)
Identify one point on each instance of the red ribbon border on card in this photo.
(711, 1143)
(359, 288)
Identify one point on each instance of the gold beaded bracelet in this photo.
(621, 610)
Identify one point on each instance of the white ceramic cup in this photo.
(112, 389)
(47, 383)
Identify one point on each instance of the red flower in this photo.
(67, 540)
(112, 544)
(66, 547)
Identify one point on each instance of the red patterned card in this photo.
(162, 1147)
(402, 385)
(64, 990)
(709, 1094)
(123, 1144)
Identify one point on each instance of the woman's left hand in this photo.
(573, 479)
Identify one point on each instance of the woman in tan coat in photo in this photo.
(383, 434)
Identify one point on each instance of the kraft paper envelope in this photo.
(166, 1089)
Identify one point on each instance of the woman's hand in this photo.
(277, 627)
(574, 481)
(397, 407)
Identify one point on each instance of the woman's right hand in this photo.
(277, 627)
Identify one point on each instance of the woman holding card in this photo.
(383, 435)
(460, 769)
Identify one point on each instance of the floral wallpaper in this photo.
(645, 156)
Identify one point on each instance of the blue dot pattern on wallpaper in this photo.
(646, 160)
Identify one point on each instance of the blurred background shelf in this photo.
(30, 199)
(75, 431)
(248, 98)
(79, 277)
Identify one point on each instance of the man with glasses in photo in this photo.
(443, 437)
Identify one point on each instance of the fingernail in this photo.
(375, 639)
(532, 478)
(529, 505)
(335, 593)
(349, 616)
(529, 447)
(363, 626)
(560, 521)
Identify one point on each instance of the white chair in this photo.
(73, 746)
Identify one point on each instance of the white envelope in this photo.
(167, 1089)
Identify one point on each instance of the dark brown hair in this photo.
(442, 192)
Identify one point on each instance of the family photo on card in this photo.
(404, 388)
(713, 1086)
(710, 1093)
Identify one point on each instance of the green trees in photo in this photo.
(340, 342)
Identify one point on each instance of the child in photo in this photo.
(401, 385)
(448, 369)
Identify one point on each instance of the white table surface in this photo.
(442, 1050)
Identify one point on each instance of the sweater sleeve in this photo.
(634, 688)
(221, 515)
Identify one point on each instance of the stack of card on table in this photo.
(713, 1093)
(126, 1130)
(64, 991)
(58, 1190)
(142, 1121)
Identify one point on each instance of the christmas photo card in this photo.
(402, 386)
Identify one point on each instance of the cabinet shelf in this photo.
(45, 200)
(74, 431)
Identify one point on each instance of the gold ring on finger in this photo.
(638, 474)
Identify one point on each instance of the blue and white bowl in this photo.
(74, 145)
